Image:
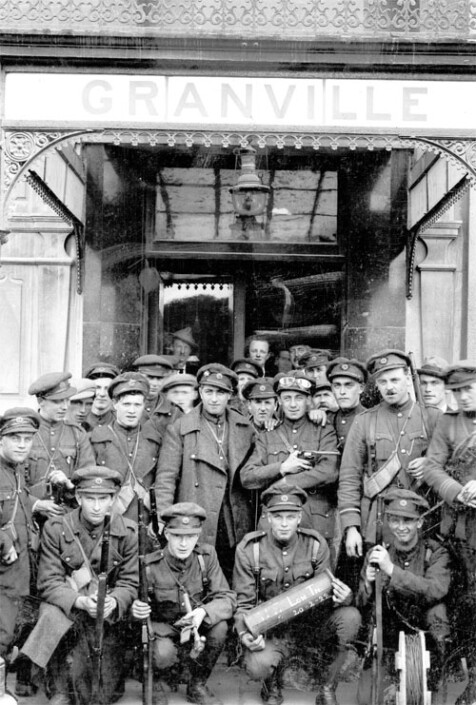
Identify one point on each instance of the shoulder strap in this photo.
(203, 570)
(315, 550)
(256, 569)
(372, 451)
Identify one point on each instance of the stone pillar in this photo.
(438, 285)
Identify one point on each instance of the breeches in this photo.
(168, 652)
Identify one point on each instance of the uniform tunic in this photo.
(391, 425)
(190, 470)
(164, 413)
(206, 586)
(319, 482)
(16, 529)
(281, 567)
(59, 445)
(342, 421)
(60, 556)
(133, 452)
(94, 420)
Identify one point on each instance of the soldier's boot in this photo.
(23, 686)
(326, 693)
(197, 690)
(159, 696)
(468, 696)
(271, 692)
(437, 662)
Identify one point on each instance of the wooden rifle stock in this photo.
(154, 517)
(101, 594)
(146, 627)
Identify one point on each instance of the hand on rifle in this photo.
(294, 464)
(140, 610)
(317, 416)
(48, 508)
(353, 542)
(150, 530)
(252, 643)
(379, 558)
(415, 468)
(467, 495)
(9, 556)
(57, 477)
(88, 603)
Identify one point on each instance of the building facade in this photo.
(123, 125)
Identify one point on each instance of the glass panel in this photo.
(204, 306)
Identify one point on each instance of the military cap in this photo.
(97, 478)
(178, 379)
(404, 503)
(102, 369)
(185, 335)
(314, 358)
(53, 385)
(247, 365)
(345, 367)
(288, 382)
(259, 389)
(282, 497)
(85, 389)
(153, 365)
(19, 419)
(321, 384)
(128, 383)
(386, 360)
(184, 518)
(460, 374)
(218, 376)
(433, 367)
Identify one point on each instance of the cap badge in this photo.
(98, 480)
(19, 419)
(403, 502)
(186, 520)
(345, 366)
(284, 498)
(219, 375)
(206, 373)
(262, 388)
(131, 382)
(383, 360)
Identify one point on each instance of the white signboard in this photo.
(300, 103)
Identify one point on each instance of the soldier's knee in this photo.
(347, 623)
(218, 632)
(165, 653)
(260, 665)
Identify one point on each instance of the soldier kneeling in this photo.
(189, 597)
(267, 564)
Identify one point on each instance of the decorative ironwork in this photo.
(283, 19)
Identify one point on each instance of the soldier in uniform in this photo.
(347, 378)
(18, 536)
(432, 382)
(59, 446)
(101, 412)
(449, 469)
(262, 402)
(65, 636)
(187, 589)
(200, 461)
(127, 445)
(323, 397)
(416, 579)
(268, 563)
(384, 448)
(315, 362)
(247, 370)
(80, 404)
(180, 389)
(281, 454)
(156, 368)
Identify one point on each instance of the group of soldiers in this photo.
(245, 487)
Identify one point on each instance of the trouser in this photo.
(74, 668)
(330, 637)
(169, 653)
(9, 607)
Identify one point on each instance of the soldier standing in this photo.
(262, 402)
(268, 563)
(127, 445)
(347, 378)
(281, 453)
(449, 469)
(188, 590)
(156, 368)
(102, 373)
(65, 637)
(384, 448)
(59, 446)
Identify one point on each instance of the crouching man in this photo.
(190, 603)
(68, 634)
(267, 564)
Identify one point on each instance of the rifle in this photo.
(101, 596)
(377, 639)
(146, 627)
(154, 517)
